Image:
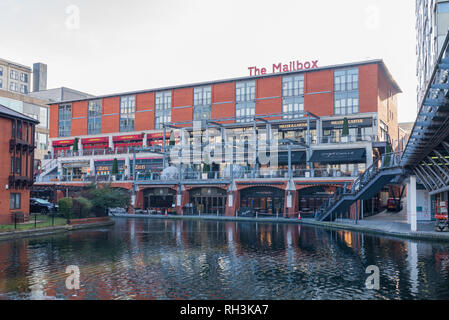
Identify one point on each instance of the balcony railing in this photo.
(190, 175)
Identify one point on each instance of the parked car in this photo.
(42, 206)
(392, 205)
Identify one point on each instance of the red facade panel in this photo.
(54, 120)
(79, 118)
(269, 87)
(223, 92)
(321, 104)
(182, 97)
(368, 88)
(110, 121)
(144, 111)
(269, 106)
(319, 81)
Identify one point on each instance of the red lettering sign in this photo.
(279, 67)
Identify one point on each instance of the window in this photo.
(94, 117)
(65, 117)
(23, 89)
(292, 97)
(42, 141)
(346, 86)
(201, 103)
(1, 71)
(14, 202)
(14, 75)
(43, 117)
(16, 163)
(24, 77)
(127, 113)
(443, 7)
(346, 103)
(13, 86)
(163, 109)
(1, 83)
(245, 97)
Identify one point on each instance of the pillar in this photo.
(92, 166)
(127, 169)
(111, 142)
(291, 209)
(412, 210)
(232, 204)
(145, 140)
(409, 220)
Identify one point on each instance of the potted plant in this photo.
(114, 171)
(345, 131)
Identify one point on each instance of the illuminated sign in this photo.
(291, 66)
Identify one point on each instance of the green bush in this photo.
(66, 207)
(105, 197)
(82, 207)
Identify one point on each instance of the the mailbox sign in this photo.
(279, 67)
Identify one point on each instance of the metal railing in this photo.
(386, 161)
(189, 175)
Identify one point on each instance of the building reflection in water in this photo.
(174, 259)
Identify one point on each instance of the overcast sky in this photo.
(110, 46)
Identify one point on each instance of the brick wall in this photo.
(110, 121)
(144, 111)
(5, 170)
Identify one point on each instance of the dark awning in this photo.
(339, 156)
(297, 157)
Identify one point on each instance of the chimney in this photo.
(39, 77)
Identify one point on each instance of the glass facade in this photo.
(94, 117)
(201, 103)
(292, 97)
(346, 87)
(64, 119)
(245, 98)
(127, 113)
(163, 109)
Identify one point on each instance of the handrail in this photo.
(384, 162)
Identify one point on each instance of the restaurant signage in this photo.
(63, 143)
(128, 137)
(338, 124)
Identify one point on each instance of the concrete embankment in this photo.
(10, 235)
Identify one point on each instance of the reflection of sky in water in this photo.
(157, 259)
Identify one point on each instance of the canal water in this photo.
(173, 259)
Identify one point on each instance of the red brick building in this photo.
(309, 107)
(17, 136)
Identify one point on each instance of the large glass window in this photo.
(65, 117)
(201, 103)
(346, 85)
(245, 97)
(292, 96)
(94, 117)
(163, 109)
(127, 113)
